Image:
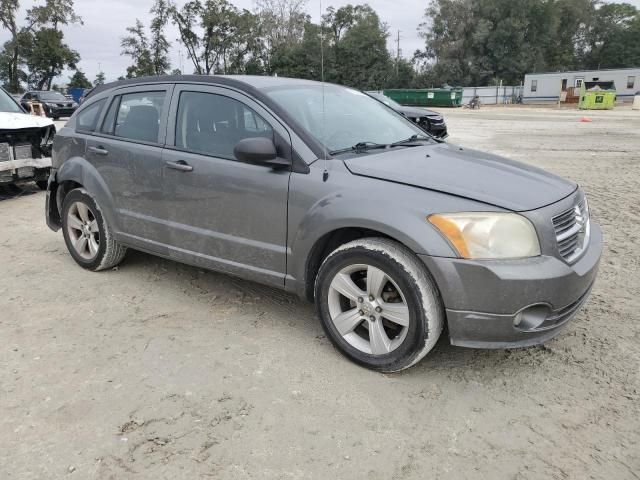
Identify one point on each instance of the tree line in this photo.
(466, 42)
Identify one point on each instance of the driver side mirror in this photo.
(260, 151)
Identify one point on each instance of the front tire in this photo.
(88, 236)
(378, 304)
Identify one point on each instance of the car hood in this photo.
(418, 112)
(466, 173)
(15, 121)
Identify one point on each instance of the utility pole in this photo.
(398, 55)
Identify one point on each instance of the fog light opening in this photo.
(531, 317)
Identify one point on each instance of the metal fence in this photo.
(493, 95)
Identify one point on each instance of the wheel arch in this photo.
(339, 236)
(77, 172)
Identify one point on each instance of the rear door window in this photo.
(135, 116)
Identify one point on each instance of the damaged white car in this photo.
(25, 144)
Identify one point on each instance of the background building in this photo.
(548, 87)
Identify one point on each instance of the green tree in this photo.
(46, 53)
(48, 57)
(159, 44)
(478, 42)
(302, 60)
(613, 41)
(357, 42)
(136, 46)
(218, 37)
(100, 79)
(79, 80)
(10, 60)
(282, 25)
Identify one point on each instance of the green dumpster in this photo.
(597, 96)
(427, 97)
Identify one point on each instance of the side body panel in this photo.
(225, 214)
(317, 208)
(132, 170)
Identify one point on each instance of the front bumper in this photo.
(514, 303)
(60, 111)
(26, 169)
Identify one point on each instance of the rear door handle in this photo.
(180, 165)
(99, 150)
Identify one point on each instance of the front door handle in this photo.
(99, 150)
(180, 165)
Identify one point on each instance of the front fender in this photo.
(79, 170)
(350, 201)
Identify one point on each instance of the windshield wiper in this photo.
(360, 147)
(411, 139)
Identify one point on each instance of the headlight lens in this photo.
(480, 235)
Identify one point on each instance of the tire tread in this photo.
(430, 296)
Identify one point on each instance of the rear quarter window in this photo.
(88, 117)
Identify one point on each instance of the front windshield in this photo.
(351, 117)
(52, 96)
(7, 104)
(386, 100)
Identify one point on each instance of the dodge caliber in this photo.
(325, 192)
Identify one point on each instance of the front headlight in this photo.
(480, 235)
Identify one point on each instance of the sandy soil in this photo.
(159, 370)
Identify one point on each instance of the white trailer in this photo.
(549, 87)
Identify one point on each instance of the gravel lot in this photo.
(159, 370)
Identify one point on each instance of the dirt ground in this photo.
(159, 370)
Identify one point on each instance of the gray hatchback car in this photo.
(325, 192)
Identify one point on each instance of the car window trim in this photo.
(298, 165)
(114, 98)
(155, 87)
(78, 112)
(187, 150)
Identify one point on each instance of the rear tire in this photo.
(378, 304)
(88, 237)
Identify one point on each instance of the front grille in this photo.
(25, 143)
(23, 152)
(5, 152)
(572, 230)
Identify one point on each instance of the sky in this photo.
(105, 21)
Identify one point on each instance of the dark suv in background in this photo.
(55, 104)
(428, 120)
(323, 191)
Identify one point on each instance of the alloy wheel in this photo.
(82, 227)
(368, 309)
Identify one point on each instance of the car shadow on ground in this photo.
(284, 306)
(8, 192)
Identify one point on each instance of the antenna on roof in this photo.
(325, 174)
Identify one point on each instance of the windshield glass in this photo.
(52, 96)
(351, 116)
(7, 104)
(386, 100)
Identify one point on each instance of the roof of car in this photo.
(238, 81)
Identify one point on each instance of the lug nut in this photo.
(360, 312)
(371, 299)
(378, 309)
(360, 299)
(372, 318)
